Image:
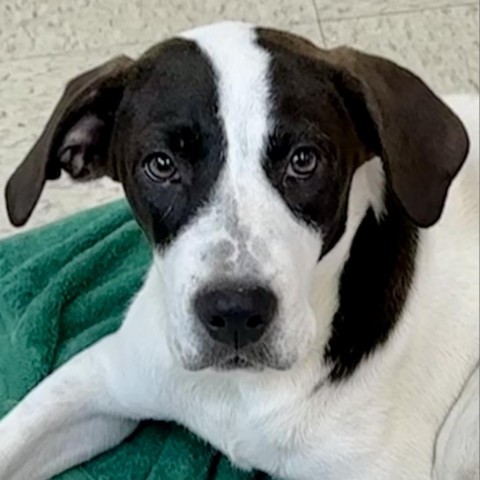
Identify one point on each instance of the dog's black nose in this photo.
(236, 316)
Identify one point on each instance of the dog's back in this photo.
(451, 348)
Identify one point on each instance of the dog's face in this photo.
(236, 189)
(236, 148)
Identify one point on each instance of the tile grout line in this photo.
(399, 12)
(322, 33)
(319, 24)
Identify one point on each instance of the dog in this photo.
(312, 305)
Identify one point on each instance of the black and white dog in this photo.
(312, 308)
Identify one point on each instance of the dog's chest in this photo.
(287, 435)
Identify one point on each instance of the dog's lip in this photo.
(237, 362)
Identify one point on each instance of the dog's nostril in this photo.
(217, 322)
(254, 321)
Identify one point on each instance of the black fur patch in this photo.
(374, 286)
(170, 105)
(309, 111)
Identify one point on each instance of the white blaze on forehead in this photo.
(245, 208)
(241, 67)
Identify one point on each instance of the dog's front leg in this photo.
(68, 418)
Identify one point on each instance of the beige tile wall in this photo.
(43, 43)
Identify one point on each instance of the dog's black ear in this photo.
(76, 138)
(421, 141)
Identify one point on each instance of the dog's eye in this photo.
(160, 167)
(303, 162)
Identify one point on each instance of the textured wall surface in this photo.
(43, 43)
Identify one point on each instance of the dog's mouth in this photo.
(238, 362)
(254, 358)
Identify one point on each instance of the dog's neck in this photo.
(368, 274)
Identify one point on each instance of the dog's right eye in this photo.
(160, 167)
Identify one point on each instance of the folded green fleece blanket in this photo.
(64, 286)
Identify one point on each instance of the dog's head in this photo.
(238, 148)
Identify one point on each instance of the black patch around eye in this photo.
(306, 109)
(319, 200)
(170, 207)
(170, 105)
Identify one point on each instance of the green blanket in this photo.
(64, 286)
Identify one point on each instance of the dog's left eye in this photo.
(160, 167)
(303, 162)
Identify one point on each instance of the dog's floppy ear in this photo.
(76, 138)
(422, 143)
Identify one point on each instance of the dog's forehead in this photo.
(265, 79)
(241, 70)
(251, 78)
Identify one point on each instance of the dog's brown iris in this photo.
(160, 167)
(303, 162)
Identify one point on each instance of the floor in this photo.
(43, 43)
